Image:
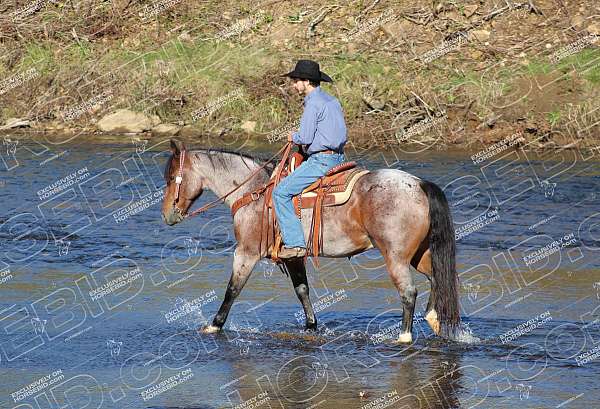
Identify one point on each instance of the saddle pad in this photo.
(307, 199)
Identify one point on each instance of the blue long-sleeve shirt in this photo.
(322, 125)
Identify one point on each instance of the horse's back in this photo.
(392, 184)
(392, 204)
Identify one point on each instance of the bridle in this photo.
(179, 179)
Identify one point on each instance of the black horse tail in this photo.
(442, 245)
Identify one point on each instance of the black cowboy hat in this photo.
(308, 70)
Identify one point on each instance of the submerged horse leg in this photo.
(422, 262)
(297, 271)
(399, 271)
(243, 263)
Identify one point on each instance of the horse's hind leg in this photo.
(401, 276)
(422, 263)
(243, 263)
(297, 271)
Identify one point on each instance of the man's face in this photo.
(300, 85)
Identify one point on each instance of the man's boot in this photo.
(291, 252)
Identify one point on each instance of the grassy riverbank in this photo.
(401, 72)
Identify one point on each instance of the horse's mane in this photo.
(168, 168)
(215, 154)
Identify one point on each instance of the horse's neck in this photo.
(221, 177)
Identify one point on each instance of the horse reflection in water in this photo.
(406, 218)
(427, 379)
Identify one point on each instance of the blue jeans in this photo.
(310, 170)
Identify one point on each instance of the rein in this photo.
(179, 180)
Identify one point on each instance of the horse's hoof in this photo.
(209, 329)
(405, 338)
(432, 319)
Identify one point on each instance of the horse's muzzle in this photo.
(173, 216)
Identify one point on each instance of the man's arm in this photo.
(308, 126)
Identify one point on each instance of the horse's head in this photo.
(184, 185)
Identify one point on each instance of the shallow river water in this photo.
(99, 306)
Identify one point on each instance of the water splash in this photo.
(465, 335)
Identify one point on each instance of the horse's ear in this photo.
(177, 146)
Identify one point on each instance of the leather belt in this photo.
(329, 151)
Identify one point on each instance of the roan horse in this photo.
(406, 218)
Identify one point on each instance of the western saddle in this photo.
(333, 189)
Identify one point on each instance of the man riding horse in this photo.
(323, 130)
(407, 218)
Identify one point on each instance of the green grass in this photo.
(593, 75)
(7, 112)
(203, 71)
(538, 67)
(269, 113)
(349, 76)
(206, 70)
(210, 62)
(554, 117)
(294, 18)
(475, 86)
(485, 89)
(457, 80)
(79, 52)
(586, 62)
(38, 56)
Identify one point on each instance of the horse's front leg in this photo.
(297, 271)
(243, 263)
